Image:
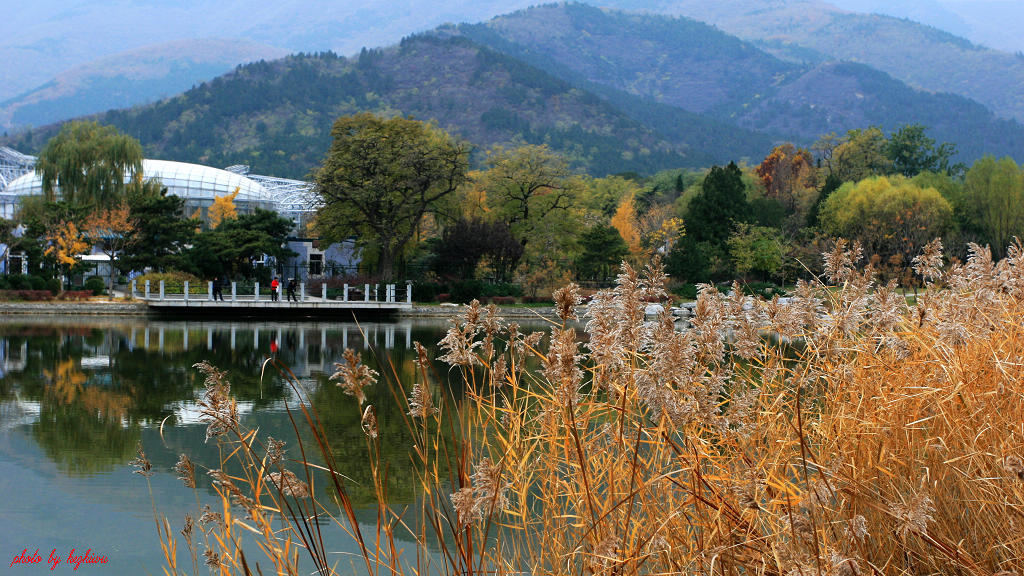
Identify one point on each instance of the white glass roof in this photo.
(189, 181)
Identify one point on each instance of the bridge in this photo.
(356, 300)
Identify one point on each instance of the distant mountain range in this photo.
(614, 91)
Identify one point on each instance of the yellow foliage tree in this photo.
(65, 242)
(625, 222)
(223, 208)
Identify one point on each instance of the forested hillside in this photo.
(276, 116)
(690, 65)
(613, 92)
(811, 31)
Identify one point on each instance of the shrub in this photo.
(428, 291)
(18, 282)
(76, 295)
(95, 284)
(26, 295)
(764, 290)
(685, 291)
(174, 282)
(465, 291)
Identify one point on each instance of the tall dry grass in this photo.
(835, 432)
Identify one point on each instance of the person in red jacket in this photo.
(275, 286)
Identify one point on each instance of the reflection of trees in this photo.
(341, 419)
(83, 427)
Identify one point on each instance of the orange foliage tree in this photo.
(788, 176)
(113, 230)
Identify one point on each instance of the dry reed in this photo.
(835, 432)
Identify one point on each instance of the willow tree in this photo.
(994, 193)
(379, 179)
(89, 164)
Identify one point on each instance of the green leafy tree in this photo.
(862, 154)
(528, 185)
(379, 179)
(892, 217)
(994, 191)
(721, 203)
(88, 164)
(233, 246)
(756, 249)
(162, 232)
(912, 152)
(603, 250)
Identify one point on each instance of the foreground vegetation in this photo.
(861, 437)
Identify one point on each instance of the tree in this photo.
(162, 231)
(469, 240)
(890, 216)
(912, 152)
(528, 185)
(721, 203)
(379, 179)
(89, 164)
(223, 208)
(789, 177)
(234, 245)
(113, 230)
(994, 191)
(756, 249)
(603, 252)
(65, 243)
(861, 155)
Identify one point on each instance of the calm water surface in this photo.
(77, 395)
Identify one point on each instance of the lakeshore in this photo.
(121, 307)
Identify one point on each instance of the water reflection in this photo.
(77, 395)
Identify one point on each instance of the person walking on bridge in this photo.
(291, 290)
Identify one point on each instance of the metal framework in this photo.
(14, 164)
(291, 198)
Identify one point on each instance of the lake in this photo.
(78, 394)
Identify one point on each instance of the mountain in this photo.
(276, 116)
(923, 57)
(41, 40)
(983, 22)
(690, 65)
(613, 91)
(43, 43)
(129, 79)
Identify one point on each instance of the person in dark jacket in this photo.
(291, 290)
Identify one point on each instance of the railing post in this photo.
(133, 288)
(323, 291)
(408, 292)
(302, 291)
(234, 287)
(162, 293)
(344, 297)
(186, 290)
(209, 290)
(256, 291)
(146, 293)
(366, 293)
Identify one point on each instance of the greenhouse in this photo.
(198, 185)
